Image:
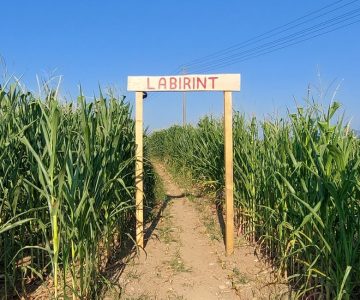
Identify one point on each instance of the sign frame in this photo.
(214, 82)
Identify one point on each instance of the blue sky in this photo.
(102, 42)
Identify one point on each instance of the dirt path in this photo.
(185, 256)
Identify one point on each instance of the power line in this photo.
(295, 43)
(264, 37)
(241, 44)
(211, 59)
(297, 35)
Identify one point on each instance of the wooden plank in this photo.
(184, 108)
(200, 82)
(139, 169)
(229, 180)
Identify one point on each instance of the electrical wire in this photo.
(289, 38)
(211, 61)
(266, 35)
(322, 24)
(286, 46)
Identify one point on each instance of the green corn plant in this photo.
(296, 191)
(66, 190)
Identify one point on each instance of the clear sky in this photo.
(102, 42)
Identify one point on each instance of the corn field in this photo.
(297, 191)
(66, 190)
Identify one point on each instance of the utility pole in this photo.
(184, 102)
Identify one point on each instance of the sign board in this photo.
(184, 83)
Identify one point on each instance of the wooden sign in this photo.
(213, 82)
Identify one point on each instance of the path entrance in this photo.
(185, 256)
(186, 83)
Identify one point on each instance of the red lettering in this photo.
(173, 82)
(148, 84)
(162, 83)
(213, 81)
(203, 83)
(187, 83)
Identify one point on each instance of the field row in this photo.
(66, 190)
(297, 191)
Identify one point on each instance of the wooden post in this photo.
(229, 184)
(184, 108)
(139, 169)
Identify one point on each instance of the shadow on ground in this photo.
(149, 232)
(153, 212)
(220, 217)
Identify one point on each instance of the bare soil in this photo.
(184, 256)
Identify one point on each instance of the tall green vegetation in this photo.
(66, 190)
(297, 191)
